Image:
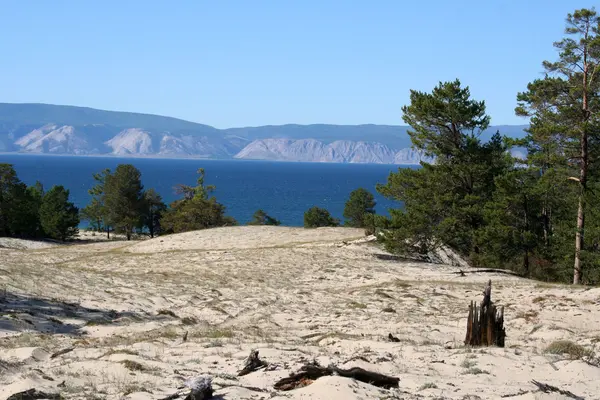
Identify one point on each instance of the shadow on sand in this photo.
(20, 313)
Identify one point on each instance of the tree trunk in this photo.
(583, 166)
(579, 237)
(108, 232)
(151, 225)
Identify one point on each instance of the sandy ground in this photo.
(296, 295)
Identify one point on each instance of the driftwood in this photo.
(487, 271)
(197, 388)
(34, 394)
(544, 387)
(62, 352)
(393, 338)
(310, 372)
(485, 324)
(253, 363)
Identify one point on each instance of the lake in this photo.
(285, 190)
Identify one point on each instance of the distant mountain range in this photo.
(69, 130)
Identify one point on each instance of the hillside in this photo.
(69, 130)
(107, 320)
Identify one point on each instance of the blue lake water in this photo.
(284, 190)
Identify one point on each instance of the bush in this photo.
(262, 218)
(317, 217)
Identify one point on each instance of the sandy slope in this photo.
(294, 294)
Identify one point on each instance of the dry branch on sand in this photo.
(544, 387)
(33, 394)
(310, 372)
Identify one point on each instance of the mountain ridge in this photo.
(38, 128)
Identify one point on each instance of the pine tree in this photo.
(512, 233)
(316, 217)
(444, 201)
(9, 183)
(196, 210)
(153, 211)
(95, 212)
(59, 217)
(359, 205)
(18, 206)
(123, 199)
(564, 108)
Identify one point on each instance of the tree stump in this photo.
(253, 363)
(485, 325)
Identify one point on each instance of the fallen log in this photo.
(487, 271)
(310, 372)
(253, 363)
(34, 394)
(62, 352)
(544, 387)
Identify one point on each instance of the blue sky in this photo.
(257, 62)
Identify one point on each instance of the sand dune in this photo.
(296, 295)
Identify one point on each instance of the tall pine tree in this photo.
(564, 109)
(123, 199)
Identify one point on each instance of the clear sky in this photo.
(257, 62)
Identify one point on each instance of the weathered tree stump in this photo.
(485, 325)
(253, 363)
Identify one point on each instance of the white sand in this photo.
(293, 294)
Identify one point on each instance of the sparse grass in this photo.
(402, 284)
(528, 316)
(30, 339)
(167, 332)
(428, 385)
(536, 328)
(356, 305)
(120, 351)
(134, 388)
(573, 350)
(170, 313)
(5, 364)
(475, 371)
(133, 365)
(540, 299)
(382, 293)
(189, 321)
(213, 344)
(213, 333)
(468, 363)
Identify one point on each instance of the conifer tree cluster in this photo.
(31, 213)
(121, 204)
(537, 215)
